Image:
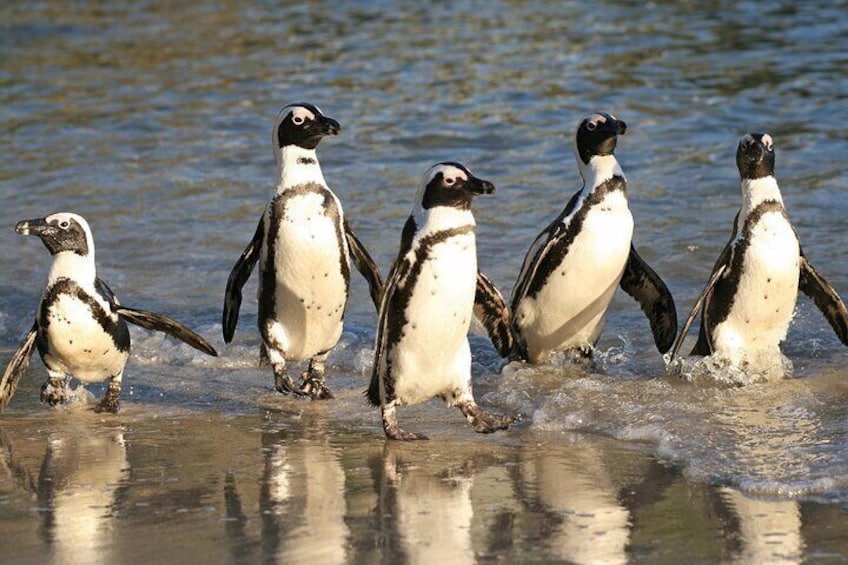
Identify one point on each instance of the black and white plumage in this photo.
(422, 346)
(570, 273)
(749, 301)
(304, 246)
(80, 328)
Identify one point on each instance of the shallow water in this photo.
(153, 122)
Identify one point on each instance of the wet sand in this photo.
(293, 481)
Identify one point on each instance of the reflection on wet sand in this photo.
(769, 531)
(432, 512)
(274, 490)
(302, 501)
(592, 525)
(77, 490)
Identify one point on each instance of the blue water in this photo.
(153, 121)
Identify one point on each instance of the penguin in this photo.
(571, 271)
(304, 246)
(432, 291)
(749, 301)
(80, 328)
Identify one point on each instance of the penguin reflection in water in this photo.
(431, 293)
(749, 301)
(570, 273)
(304, 245)
(80, 328)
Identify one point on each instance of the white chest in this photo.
(78, 344)
(305, 273)
(432, 355)
(569, 309)
(768, 288)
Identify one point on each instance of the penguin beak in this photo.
(479, 186)
(32, 227)
(620, 127)
(327, 126)
(753, 158)
(752, 148)
(615, 127)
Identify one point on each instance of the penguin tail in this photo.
(372, 394)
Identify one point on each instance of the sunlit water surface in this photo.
(152, 120)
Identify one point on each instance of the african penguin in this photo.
(422, 346)
(570, 273)
(749, 301)
(80, 328)
(304, 245)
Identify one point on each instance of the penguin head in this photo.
(450, 184)
(302, 125)
(61, 232)
(755, 156)
(597, 135)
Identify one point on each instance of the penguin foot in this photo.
(485, 422)
(400, 435)
(584, 356)
(313, 381)
(54, 391)
(285, 385)
(111, 399)
(393, 430)
(315, 388)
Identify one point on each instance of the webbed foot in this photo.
(111, 398)
(54, 391)
(313, 381)
(485, 422)
(284, 384)
(392, 429)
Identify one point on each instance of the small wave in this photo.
(757, 368)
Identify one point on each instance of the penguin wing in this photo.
(703, 347)
(492, 311)
(642, 283)
(365, 265)
(543, 243)
(825, 298)
(238, 276)
(16, 367)
(397, 271)
(160, 323)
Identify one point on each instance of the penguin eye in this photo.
(297, 120)
(449, 181)
(65, 224)
(591, 126)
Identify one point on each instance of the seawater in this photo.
(153, 121)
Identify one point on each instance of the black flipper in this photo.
(699, 305)
(365, 265)
(643, 284)
(704, 345)
(492, 311)
(238, 276)
(825, 298)
(398, 270)
(160, 323)
(16, 367)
